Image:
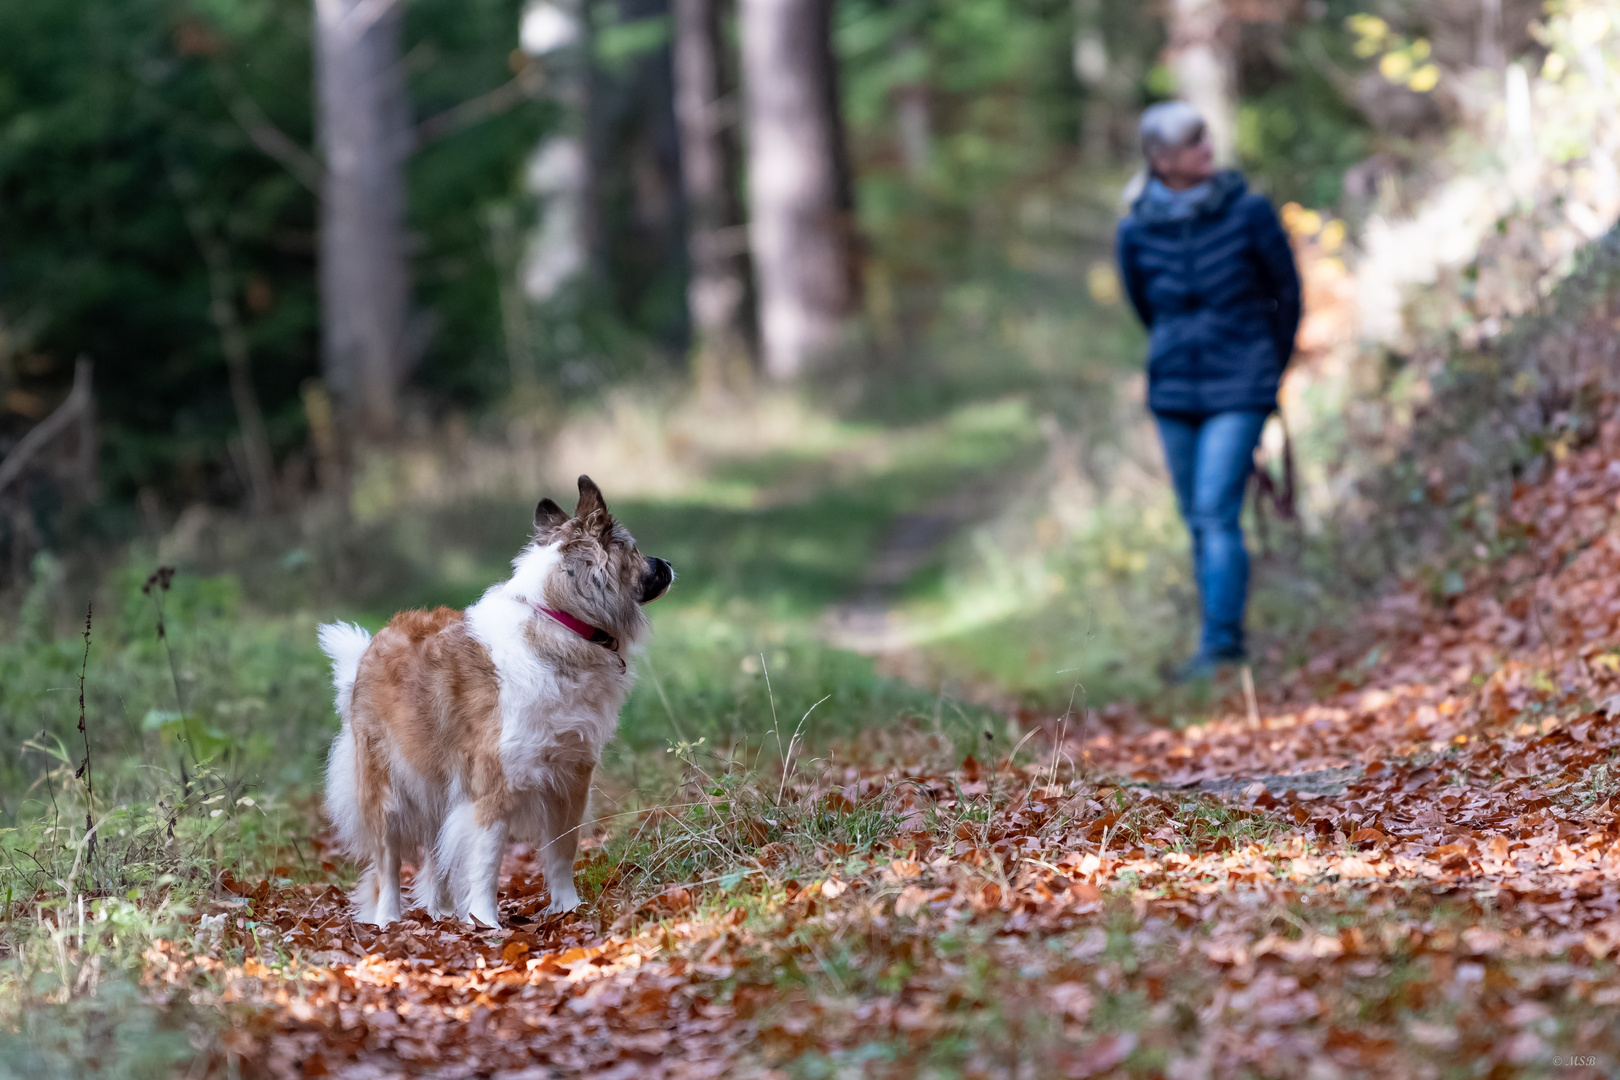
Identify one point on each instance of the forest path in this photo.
(867, 623)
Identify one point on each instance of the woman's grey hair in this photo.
(1169, 125)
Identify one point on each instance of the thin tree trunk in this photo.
(719, 292)
(256, 462)
(1489, 51)
(825, 62)
(559, 32)
(365, 133)
(505, 250)
(913, 110)
(1203, 66)
(1091, 69)
(914, 125)
(801, 227)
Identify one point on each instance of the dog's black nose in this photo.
(656, 581)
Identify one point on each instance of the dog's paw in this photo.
(487, 920)
(562, 902)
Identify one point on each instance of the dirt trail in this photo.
(866, 623)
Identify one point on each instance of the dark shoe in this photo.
(1203, 667)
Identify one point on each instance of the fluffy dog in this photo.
(463, 729)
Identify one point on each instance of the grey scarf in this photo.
(1170, 205)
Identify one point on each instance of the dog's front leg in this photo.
(473, 842)
(388, 897)
(432, 888)
(484, 873)
(561, 840)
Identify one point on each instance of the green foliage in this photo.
(250, 691)
(986, 229)
(116, 1033)
(108, 105)
(706, 677)
(1298, 128)
(80, 917)
(466, 48)
(114, 108)
(1297, 140)
(1002, 109)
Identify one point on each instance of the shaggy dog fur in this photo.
(464, 729)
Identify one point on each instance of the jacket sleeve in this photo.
(1277, 260)
(1130, 273)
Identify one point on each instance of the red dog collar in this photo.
(594, 634)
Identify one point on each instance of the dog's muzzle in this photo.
(656, 581)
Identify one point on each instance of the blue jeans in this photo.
(1210, 459)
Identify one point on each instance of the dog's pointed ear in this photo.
(547, 516)
(590, 500)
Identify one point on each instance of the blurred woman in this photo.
(1209, 271)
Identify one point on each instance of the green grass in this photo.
(250, 687)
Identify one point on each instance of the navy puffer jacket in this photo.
(1219, 294)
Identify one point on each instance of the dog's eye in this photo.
(570, 573)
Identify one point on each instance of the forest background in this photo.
(548, 207)
(311, 303)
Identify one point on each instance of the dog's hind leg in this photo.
(560, 840)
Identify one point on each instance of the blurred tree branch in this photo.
(306, 168)
(526, 86)
(265, 135)
(78, 405)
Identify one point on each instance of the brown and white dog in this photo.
(463, 729)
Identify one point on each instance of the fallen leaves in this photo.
(1412, 861)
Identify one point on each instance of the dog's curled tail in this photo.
(345, 643)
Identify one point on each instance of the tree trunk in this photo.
(801, 228)
(365, 134)
(1489, 51)
(559, 173)
(1203, 67)
(1091, 69)
(719, 293)
(914, 110)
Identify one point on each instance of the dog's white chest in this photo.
(549, 712)
(538, 741)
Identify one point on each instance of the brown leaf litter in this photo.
(1411, 864)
